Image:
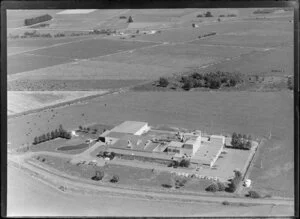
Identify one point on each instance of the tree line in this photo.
(57, 133)
(212, 80)
(39, 19)
(241, 141)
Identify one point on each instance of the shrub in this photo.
(199, 15)
(122, 17)
(166, 186)
(208, 14)
(212, 188)
(225, 203)
(254, 194)
(163, 82)
(115, 179)
(98, 176)
(180, 183)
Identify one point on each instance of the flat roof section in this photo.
(129, 127)
(207, 152)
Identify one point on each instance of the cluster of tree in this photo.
(214, 187)
(241, 141)
(212, 80)
(232, 186)
(206, 35)
(182, 163)
(110, 155)
(57, 133)
(163, 82)
(290, 82)
(39, 19)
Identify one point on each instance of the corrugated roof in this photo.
(129, 127)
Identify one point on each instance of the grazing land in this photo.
(93, 69)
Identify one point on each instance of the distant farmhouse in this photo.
(137, 139)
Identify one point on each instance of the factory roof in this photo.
(175, 144)
(130, 127)
(207, 152)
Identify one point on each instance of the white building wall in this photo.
(142, 130)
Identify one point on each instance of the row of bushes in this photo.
(241, 141)
(39, 19)
(182, 163)
(58, 133)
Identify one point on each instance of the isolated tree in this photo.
(130, 20)
(80, 127)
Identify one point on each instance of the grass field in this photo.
(69, 85)
(260, 62)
